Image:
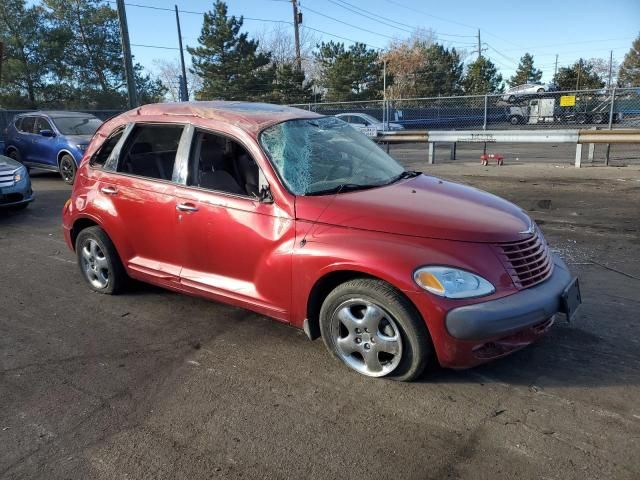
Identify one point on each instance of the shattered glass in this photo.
(312, 155)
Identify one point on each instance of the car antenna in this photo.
(303, 242)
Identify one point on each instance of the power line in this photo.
(348, 24)
(368, 16)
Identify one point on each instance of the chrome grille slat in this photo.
(528, 261)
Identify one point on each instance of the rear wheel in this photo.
(540, 90)
(598, 118)
(370, 327)
(511, 99)
(514, 120)
(99, 261)
(581, 118)
(67, 168)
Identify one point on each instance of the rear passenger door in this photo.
(141, 191)
(24, 139)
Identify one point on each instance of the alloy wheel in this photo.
(367, 337)
(94, 264)
(67, 169)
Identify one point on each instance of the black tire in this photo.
(511, 99)
(117, 277)
(67, 167)
(598, 118)
(581, 118)
(14, 155)
(416, 343)
(514, 120)
(540, 90)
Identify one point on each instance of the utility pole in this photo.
(297, 19)
(126, 53)
(479, 46)
(579, 71)
(610, 68)
(1, 59)
(184, 93)
(555, 69)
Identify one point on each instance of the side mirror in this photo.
(47, 133)
(264, 195)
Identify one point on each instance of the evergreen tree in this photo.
(526, 72)
(629, 73)
(580, 75)
(289, 85)
(353, 74)
(482, 77)
(28, 58)
(228, 61)
(441, 72)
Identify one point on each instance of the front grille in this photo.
(6, 177)
(528, 261)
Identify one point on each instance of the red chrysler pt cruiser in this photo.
(300, 217)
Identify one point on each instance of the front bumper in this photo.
(513, 313)
(473, 334)
(16, 195)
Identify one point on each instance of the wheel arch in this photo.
(325, 284)
(62, 153)
(80, 224)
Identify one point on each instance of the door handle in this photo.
(109, 191)
(186, 207)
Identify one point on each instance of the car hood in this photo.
(7, 163)
(79, 139)
(423, 206)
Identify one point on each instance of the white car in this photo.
(368, 124)
(512, 94)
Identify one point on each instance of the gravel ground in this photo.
(152, 384)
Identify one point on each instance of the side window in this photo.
(221, 164)
(27, 124)
(107, 147)
(151, 151)
(41, 124)
(17, 122)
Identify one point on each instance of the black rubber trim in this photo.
(509, 314)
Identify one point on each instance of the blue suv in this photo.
(53, 141)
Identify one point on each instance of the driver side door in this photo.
(234, 247)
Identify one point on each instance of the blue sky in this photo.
(569, 28)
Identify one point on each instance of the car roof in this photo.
(247, 115)
(55, 114)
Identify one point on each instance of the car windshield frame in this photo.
(354, 138)
(80, 121)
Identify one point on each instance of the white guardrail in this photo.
(576, 137)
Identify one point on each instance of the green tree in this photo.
(629, 73)
(526, 72)
(91, 67)
(228, 61)
(289, 85)
(28, 54)
(353, 74)
(579, 76)
(441, 72)
(482, 77)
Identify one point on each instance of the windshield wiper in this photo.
(405, 174)
(343, 187)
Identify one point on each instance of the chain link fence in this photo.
(603, 108)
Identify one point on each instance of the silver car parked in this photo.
(368, 124)
(525, 90)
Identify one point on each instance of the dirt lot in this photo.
(153, 384)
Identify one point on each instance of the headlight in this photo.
(82, 148)
(451, 282)
(19, 175)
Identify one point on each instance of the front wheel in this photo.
(67, 168)
(99, 261)
(370, 327)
